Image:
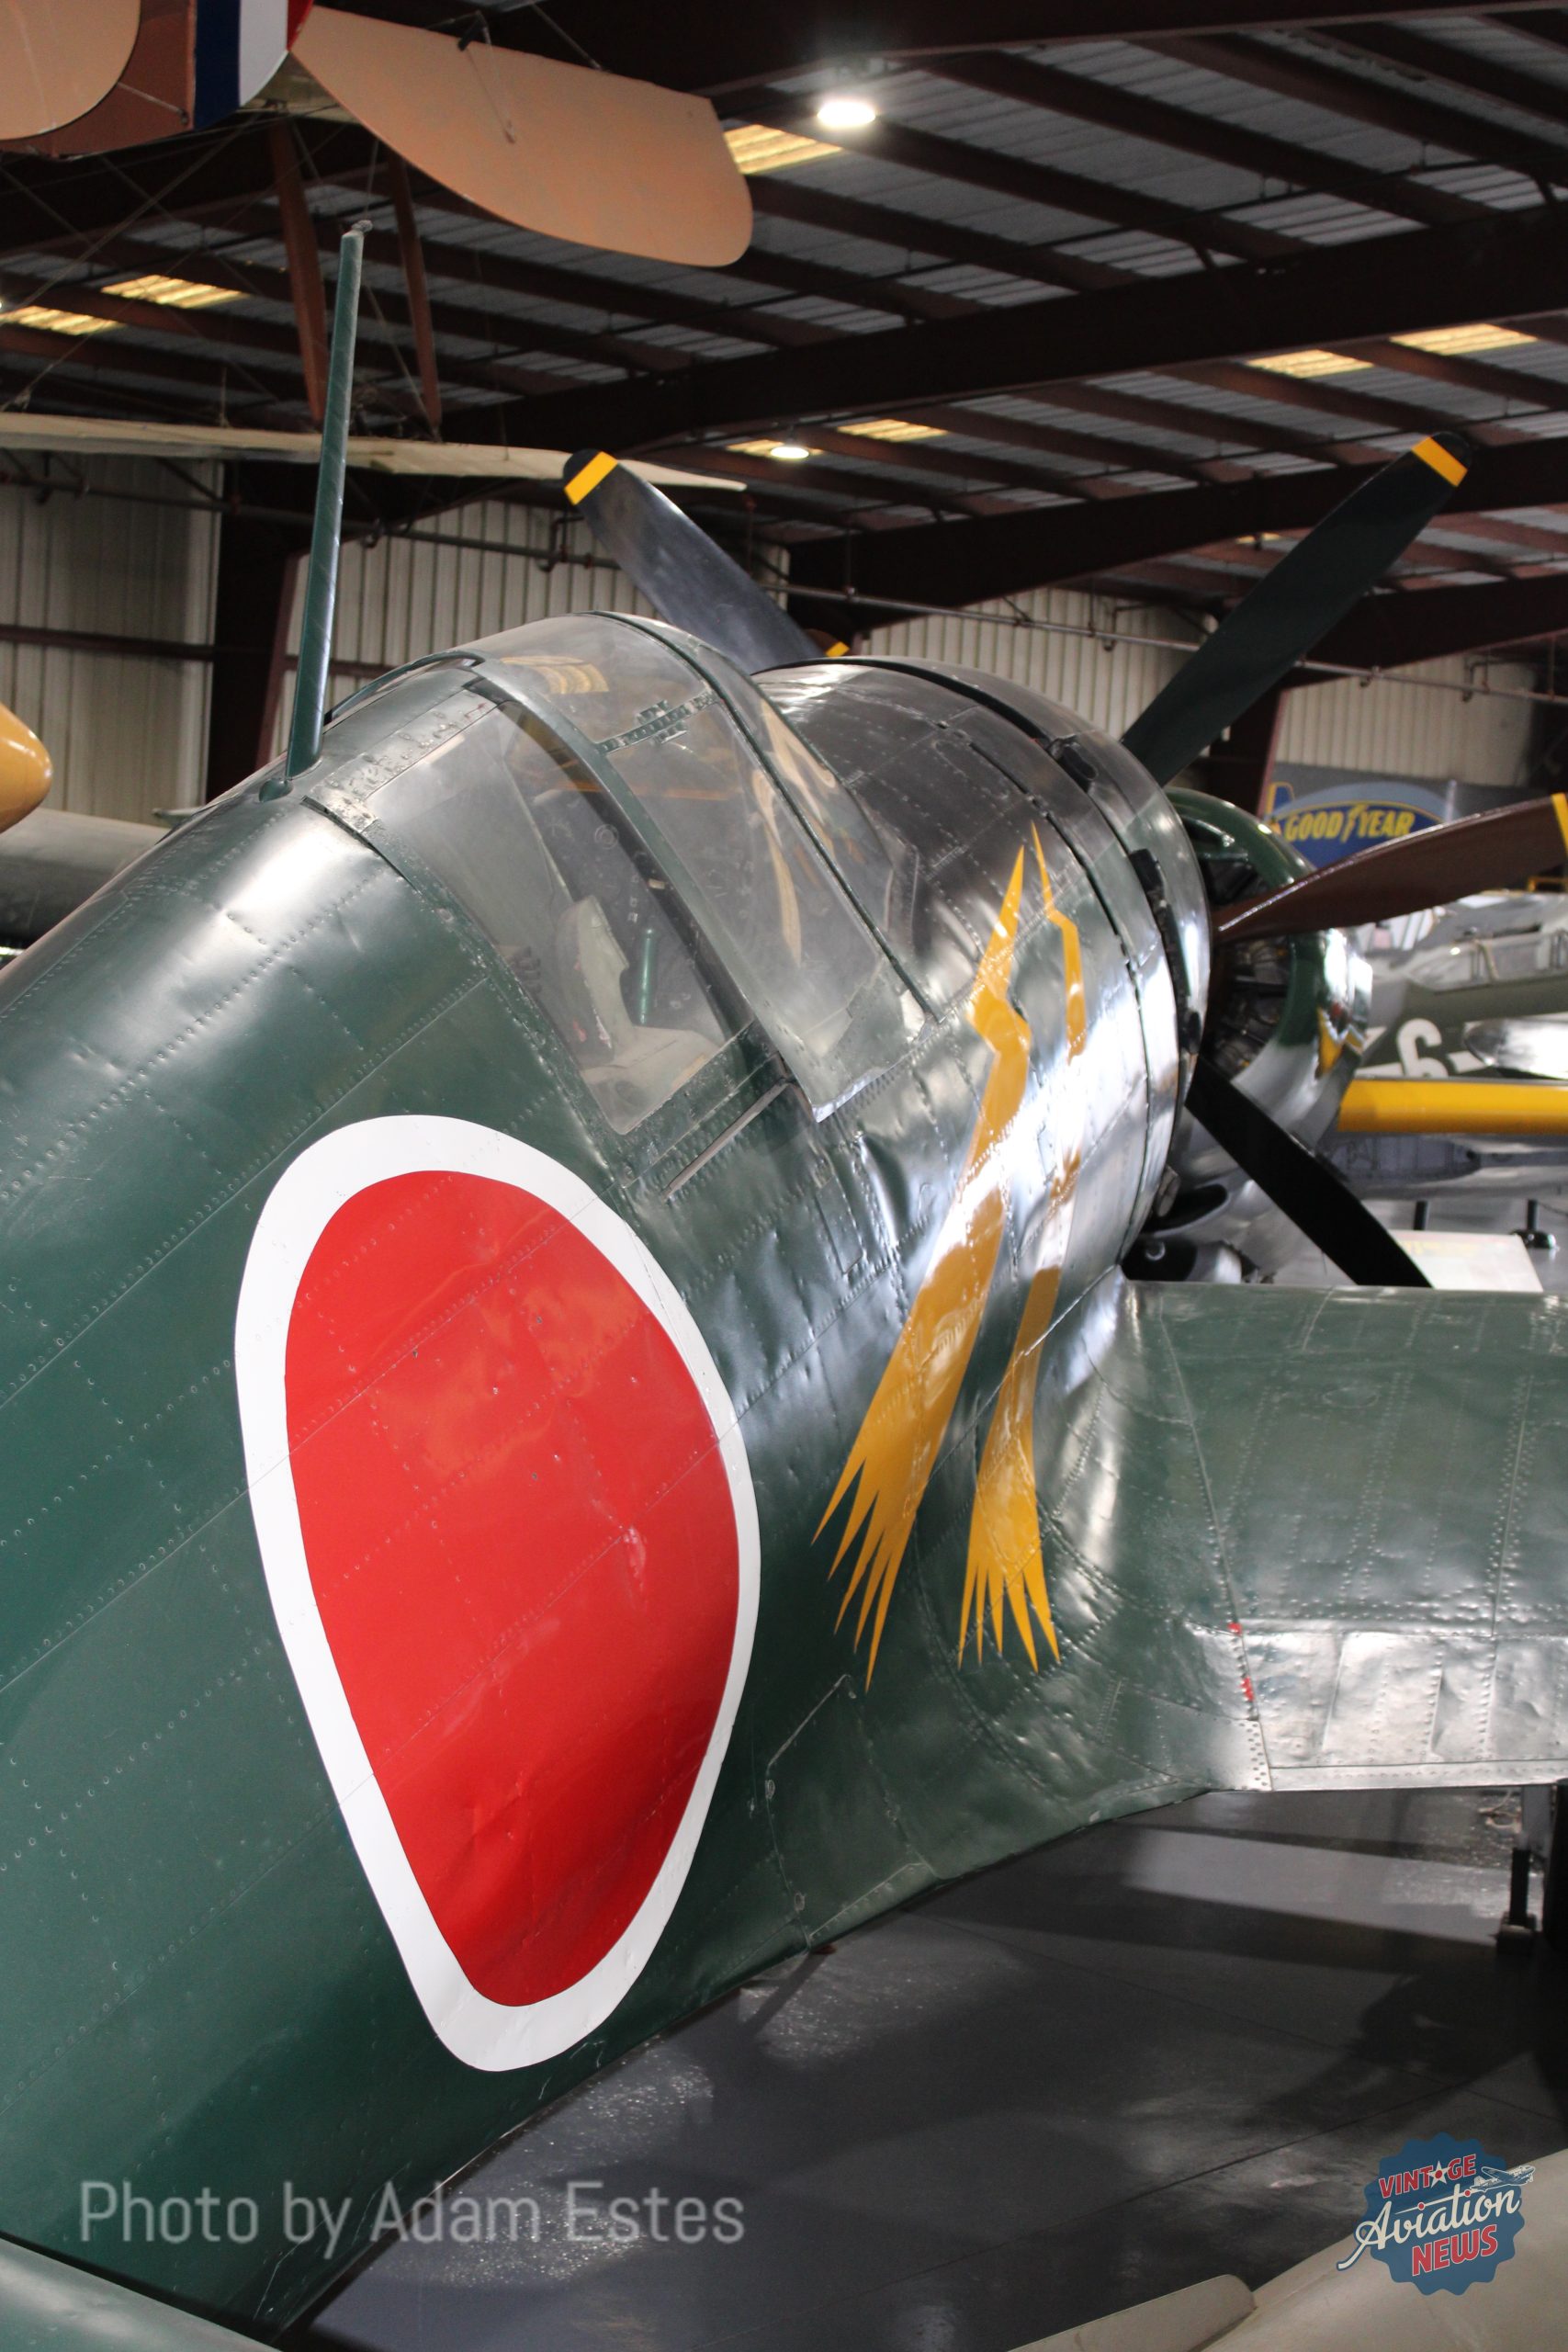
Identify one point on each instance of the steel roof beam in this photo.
(55, 208)
(788, 199)
(944, 465)
(52, 207)
(1513, 267)
(1505, 384)
(1390, 632)
(1028, 181)
(1318, 80)
(221, 329)
(1323, 396)
(1506, 530)
(1002, 554)
(586, 289)
(680, 48)
(1057, 440)
(857, 488)
(443, 261)
(1549, 24)
(1459, 69)
(1190, 132)
(1163, 417)
(819, 281)
(105, 355)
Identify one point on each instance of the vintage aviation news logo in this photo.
(511, 1541)
(1441, 2215)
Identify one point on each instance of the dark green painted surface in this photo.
(47, 2307)
(200, 1991)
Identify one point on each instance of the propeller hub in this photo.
(1286, 1019)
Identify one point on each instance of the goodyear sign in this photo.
(1327, 825)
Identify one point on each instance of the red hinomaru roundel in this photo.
(511, 1541)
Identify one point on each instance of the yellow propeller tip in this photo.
(591, 476)
(1442, 461)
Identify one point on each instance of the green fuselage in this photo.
(202, 1994)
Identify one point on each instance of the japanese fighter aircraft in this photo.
(573, 1425)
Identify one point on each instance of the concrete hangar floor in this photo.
(1166, 2049)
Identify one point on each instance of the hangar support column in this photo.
(257, 555)
(1239, 767)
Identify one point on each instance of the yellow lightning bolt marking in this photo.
(892, 1457)
(1006, 1560)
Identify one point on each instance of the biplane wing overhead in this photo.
(572, 1425)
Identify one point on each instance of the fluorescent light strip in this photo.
(1454, 342)
(893, 428)
(790, 451)
(37, 314)
(1308, 364)
(173, 293)
(755, 148)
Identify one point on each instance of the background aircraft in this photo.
(1461, 1086)
(25, 769)
(1472, 1016)
(572, 1426)
(57, 859)
(607, 162)
(1484, 990)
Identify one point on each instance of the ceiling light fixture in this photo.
(793, 451)
(173, 293)
(37, 314)
(1308, 364)
(893, 428)
(841, 110)
(1454, 342)
(754, 148)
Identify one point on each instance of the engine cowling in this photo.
(1286, 1021)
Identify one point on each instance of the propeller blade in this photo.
(1311, 1196)
(1426, 869)
(689, 581)
(1299, 602)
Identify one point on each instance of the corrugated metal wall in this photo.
(127, 733)
(406, 597)
(1386, 728)
(1103, 682)
(1391, 729)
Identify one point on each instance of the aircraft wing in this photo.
(1311, 1540)
(48, 2306)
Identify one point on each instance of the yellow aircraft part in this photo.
(26, 769)
(1452, 1106)
(1006, 1559)
(891, 1459)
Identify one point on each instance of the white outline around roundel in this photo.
(481, 2032)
